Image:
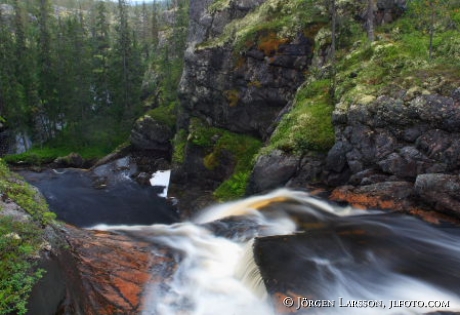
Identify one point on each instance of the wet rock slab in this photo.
(399, 196)
(99, 273)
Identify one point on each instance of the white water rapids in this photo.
(218, 273)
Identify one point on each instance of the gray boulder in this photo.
(150, 134)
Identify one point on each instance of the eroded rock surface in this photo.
(410, 137)
(98, 273)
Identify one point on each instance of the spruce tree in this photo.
(49, 107)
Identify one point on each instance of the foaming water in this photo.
(206, 280)
(251, 256)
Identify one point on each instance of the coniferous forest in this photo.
(74, 75)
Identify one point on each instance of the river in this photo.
(105, 195)
(284, 252)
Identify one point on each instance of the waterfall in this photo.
(287, 252)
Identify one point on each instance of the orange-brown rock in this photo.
(99, 273)
(394, 196)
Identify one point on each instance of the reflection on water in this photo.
(80, 198)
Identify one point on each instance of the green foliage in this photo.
(243, 148)
(75, 77)
(202, 135)
(309, 124)
(180, 143)
(234, 187)
(284, 18)
(218, 5)
(24, 195)
(401, 52)
(20, 242)
(164, 114)
(448, 46)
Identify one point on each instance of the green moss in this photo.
(219, 5)
(216, 141)
(400, 52)
(164, 114)
(179, 143)
(20, 242)
(12, 186)
(309, 125)
(234, 187)
(285, 18)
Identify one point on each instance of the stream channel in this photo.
(284, 252)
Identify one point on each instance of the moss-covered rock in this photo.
(23, 215)
(214, 161)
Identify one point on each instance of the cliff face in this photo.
(256, 111)
(236, 81)
(395, 122)
(240, 89)
(409, 138)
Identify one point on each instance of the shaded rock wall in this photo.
(240, 91)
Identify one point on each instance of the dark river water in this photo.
(284, 252)
(72, 195)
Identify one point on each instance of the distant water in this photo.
(288, 253)
(72, 195)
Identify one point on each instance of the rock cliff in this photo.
(257, 110)
(410, 137)
(237, 79)
(395, 130)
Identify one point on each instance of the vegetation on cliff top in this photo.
(400, 58)
(283, 18)
(20, 241)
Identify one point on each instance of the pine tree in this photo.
(100, 54)
(155, 29)
(126, 69)
(12, 93)
(431, 15)
(19, 113)
(7, 71)
(49, 107)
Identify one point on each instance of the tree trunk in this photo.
(370, 21)
(333, 49)
(433, 16)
